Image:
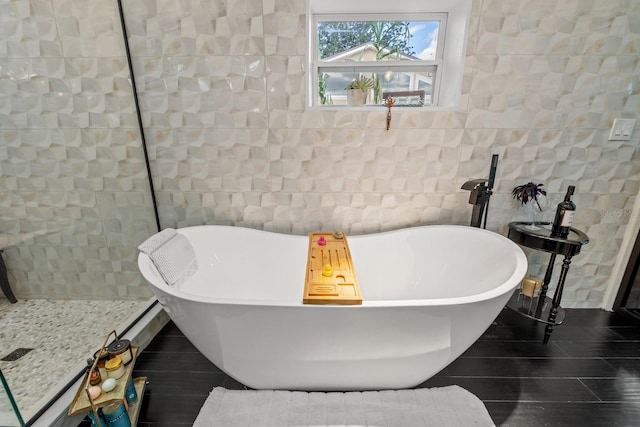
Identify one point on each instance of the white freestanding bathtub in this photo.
(428, 294)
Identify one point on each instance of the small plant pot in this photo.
(357, 97)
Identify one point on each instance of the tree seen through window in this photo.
(341, 42)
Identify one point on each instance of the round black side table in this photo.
(538, 236)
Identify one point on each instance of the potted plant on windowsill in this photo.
(358, 89)
(534, 200)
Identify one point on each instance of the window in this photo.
(412, 55)
(398, 56)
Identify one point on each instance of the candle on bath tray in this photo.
(530, 286)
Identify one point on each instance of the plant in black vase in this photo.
(533, 198)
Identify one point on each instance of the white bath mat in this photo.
(450, 406)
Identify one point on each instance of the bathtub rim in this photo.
(148, 272)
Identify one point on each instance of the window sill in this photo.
(370, 108)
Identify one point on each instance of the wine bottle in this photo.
(565, 212)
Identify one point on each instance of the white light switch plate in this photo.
(622, 129)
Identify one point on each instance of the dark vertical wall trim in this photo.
(630, 273)
(135, 98)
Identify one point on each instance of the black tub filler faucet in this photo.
(481, 190)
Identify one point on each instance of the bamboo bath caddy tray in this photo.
(83, 403)
(330, 278)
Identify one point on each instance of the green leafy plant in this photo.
(322, 89)
(362, 82)
(528, 191)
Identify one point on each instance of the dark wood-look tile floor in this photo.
(587, 375)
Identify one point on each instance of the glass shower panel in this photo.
(9, 412)
(75, 199)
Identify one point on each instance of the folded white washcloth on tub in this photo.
(172, 254)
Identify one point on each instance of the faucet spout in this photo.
(481, 191)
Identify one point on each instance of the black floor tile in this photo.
(569, 414)
(587, 318)
(587, 375)
(172, 343)
(170, 329)
(625, 365)
(171, 408)
(623, 388)
(174, 362)
(560, 333)
(600, 349)
(509, 317)
(489, 348)
(183, 383)
(519, 389)
(529, 367)
(627, 333)
(577, 333)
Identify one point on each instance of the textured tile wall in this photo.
(74, 194)
(223, 100)
(222, 86)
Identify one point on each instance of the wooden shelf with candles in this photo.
(84, 403)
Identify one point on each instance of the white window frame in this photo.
(452, 40)
(321, 66)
